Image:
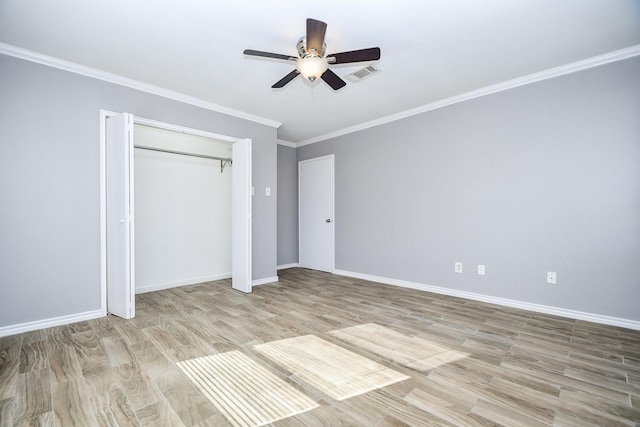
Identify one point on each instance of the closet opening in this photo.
(175, 209)
(183, 209)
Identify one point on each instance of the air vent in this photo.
(363, 73)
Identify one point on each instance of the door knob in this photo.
(327, 220)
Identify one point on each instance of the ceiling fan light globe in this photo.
(312, 67)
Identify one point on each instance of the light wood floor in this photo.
(490, 366)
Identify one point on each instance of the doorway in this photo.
(117, 209)
(316, 213)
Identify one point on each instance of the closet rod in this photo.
(223, 161)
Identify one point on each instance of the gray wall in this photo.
(50, 192)
(287, 206)
(544, 177)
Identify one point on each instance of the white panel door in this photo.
(241, 216)
(316, 218)
(119, 218)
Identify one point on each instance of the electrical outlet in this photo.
(458, 267)
(480, 269)
(552, 277)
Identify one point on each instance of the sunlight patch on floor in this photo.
(412, 352)
(243, 391)
(337, 372)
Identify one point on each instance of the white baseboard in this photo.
(48, 323)
(264, 281)
(185, 282)
(557, 311)
(283, 266)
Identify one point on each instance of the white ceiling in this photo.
(431, 50)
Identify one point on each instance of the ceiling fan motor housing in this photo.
(302, 49)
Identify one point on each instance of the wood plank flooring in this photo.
(469, 363)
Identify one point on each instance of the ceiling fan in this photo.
(312, 62)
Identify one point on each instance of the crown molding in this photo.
(617, 55)
(573, 67)
(50, 61)
(287, 143)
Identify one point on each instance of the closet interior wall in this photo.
(182, 210)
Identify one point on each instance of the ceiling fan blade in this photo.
(371, 54)
(333, 80)
(315, 35)
(286, 79)
(268, 54)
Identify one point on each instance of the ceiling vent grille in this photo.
(363, 73)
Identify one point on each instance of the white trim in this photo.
(617, 55)
(266, 280)
(313, 159)
(556, 311)
(103, 210)
(285, 266)
(48, 323)
(287, 143)
(184, 282)
(50, 61)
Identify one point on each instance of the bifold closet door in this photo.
(119, 216)
(241, 216)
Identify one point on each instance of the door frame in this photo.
(333, 207)
(104, 114)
